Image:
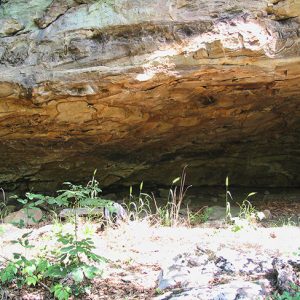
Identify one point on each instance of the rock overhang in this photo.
(138, 97)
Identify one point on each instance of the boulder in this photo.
(219, 212)
(237, 289)
(286, 272)
(226, 274)
(24, 216)
(81, 212)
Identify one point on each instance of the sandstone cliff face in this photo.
(139, 88)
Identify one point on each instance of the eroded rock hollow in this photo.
(137, 89)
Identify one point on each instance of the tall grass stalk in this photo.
(228, 216)
(176, 197)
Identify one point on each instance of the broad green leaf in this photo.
(39, 202)
(63, 295)
(62, 257)
(32, 196)
(61, 292)
(29, 269)
(67, 249)
(63, 241)
(89, 241)
(31, 280)
(78, 275)
(91, 272)
(56, 271)
(8, 274)
(16, 255)
(96, 257)
(80, 249)
(42, 266)
(23, 201)
(24, 259)
(73, 252)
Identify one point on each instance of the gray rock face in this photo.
(187, 271)
(139, 88)
(225, 275)
(286, 276)
(9, 27)
(237, 289)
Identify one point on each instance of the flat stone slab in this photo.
(81, 212)
(238, 289)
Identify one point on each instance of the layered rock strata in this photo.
(137, 89)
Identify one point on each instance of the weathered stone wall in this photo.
(139, 88)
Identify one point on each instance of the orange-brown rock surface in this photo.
(138, 88)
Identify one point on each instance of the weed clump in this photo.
(73, 264)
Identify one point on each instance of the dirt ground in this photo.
(137, 251)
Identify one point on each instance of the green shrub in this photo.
(74, 258)
(139, 206)
(169, 214)
(200, 216)
(247, 210)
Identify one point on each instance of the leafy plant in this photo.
(73, 256)
(159, 291)
(74, 196)
(21, 270)
(285, 221)
(32, 202)
(201, 216)
(139, 206)
(247, 210)
(293, 294)
(61, 292)
(163, 215)
(72, 267)
(71, 261)
(176, 195)
(297, 253)
(3, 206)
(228, 216)
(168, 215)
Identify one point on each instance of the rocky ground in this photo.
(209, 261)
